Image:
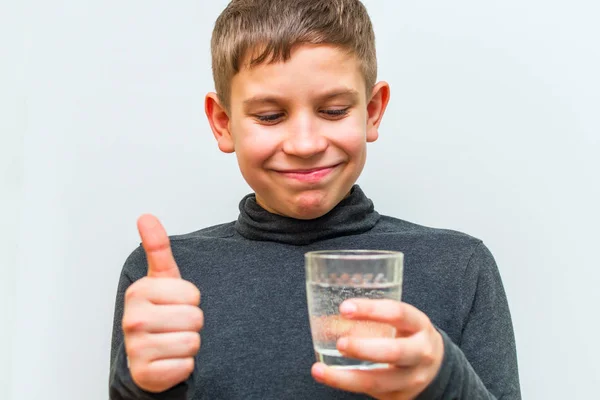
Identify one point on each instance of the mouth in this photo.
(311, 175)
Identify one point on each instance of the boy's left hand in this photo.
(415, 354)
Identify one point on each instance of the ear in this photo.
(219, 122)
(380, 96)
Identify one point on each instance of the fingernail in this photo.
(342, 344)
(319, 371)
(348, 308)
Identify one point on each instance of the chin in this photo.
(311, 206)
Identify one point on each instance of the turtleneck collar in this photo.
(353, 215)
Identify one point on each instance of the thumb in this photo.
(155, 241)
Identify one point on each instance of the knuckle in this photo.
(131, 293)
(133, 323)
(428, 354)
(140, 374)
(397, 350)
(427, 351)
(195, 295)
(133, 349)
(136, 290)
(426, 321)
(190, 292)
(188, 365)
(198, 319)
(193, 342)
(420, 379)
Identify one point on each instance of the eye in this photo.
(269, 118)
(335, 113)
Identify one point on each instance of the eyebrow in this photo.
(256, 100)
(339, 93)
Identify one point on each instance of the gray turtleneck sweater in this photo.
(256, 343)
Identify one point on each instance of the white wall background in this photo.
(12, 128)
(492, 129)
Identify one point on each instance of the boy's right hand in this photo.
(161, 320)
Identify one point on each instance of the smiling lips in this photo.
(308, 175)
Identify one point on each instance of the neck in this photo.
(353, 215)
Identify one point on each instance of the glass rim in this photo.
(354, 254)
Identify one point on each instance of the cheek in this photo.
(350, 136)
(252, 144)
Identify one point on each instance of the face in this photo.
(300, 128)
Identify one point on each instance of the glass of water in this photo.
(338, 275)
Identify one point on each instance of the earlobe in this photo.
(219, 122)
(380, 96)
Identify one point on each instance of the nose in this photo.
(304, 139)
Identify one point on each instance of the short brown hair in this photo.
(270, 28)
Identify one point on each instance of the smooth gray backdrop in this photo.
(492, 129)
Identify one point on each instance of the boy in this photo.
(297, 101)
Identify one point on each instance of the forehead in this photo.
(311, 71)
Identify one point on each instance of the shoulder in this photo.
(219, 231)
(183, 246)
(439, 248)
(441, 236)
(444, 269)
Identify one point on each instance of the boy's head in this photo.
(296, 98)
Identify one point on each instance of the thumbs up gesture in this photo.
(161, 320)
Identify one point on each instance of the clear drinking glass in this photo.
(335, 276)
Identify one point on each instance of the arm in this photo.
(484, 364)
(425, 364)
(121, 384)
